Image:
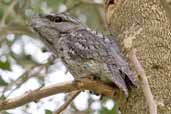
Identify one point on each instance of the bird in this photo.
(86, 53)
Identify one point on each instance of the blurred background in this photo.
(26, 64)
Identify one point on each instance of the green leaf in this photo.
(54, 3)
(48, 112)
(2, 82)
(7, 2)
(2, 97)
(5, 112)
(106, 111)
(1, 11)
(5, 65)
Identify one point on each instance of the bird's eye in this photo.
(58, 19)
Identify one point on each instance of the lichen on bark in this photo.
(145, 25)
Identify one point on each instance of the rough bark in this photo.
(145, 25)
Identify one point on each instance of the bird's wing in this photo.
(117, 78)
(85, 45)
(122, 64)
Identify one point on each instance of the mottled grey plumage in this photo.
(83, 51)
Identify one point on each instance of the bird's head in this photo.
(51, 26)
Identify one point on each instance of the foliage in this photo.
(107, 111)
(5, 65)
(2, 82)
(48, 112)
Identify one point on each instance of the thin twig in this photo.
(20, 80)
(90, 2)
(144, 83)
(70, 98)
(8, 11)
(73, 7)
(83, 84)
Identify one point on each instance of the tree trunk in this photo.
(145, 25)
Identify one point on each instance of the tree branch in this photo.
(144, 83)
(70, 98)
(84, 84)
(7, 12)
(16, 29)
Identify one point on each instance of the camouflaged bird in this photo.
(83, 51)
